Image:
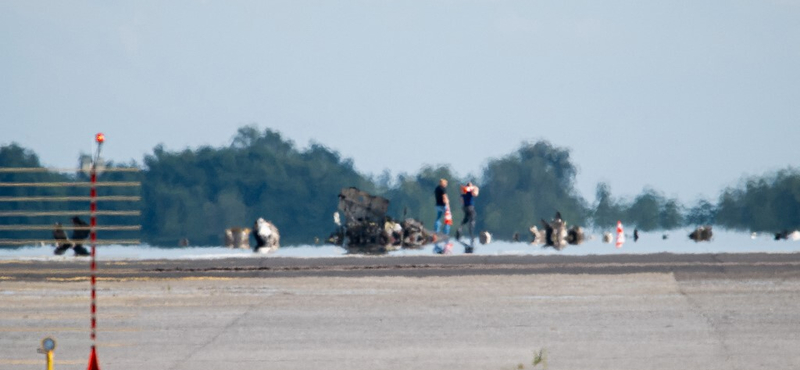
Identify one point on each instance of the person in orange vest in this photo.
(468, 194)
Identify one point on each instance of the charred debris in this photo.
(367, 229)
(555, 233)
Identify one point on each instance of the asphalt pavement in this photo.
(737, 311)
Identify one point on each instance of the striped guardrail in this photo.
(45, 169)
(51, 241)
(108, 198)
(67, 213)
(91, 200)
(70, 227)
(84, 184)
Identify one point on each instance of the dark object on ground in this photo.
(557, 235)
(702, 234)
(367, 230)
(61, 249)
(80, 231)
(63, 243)
(58, 233)
(635, 235)
(786, 235)
(80, 250)
(664, 237)
(414, 234)
(575, 235)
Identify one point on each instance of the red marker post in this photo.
(99, 138)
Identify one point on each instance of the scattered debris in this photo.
(80, 232)
(575, 235)
(536, 235)
(557, 235)
(484, 237)
(786, 235)
(415, 235)
(702, 234)
(267, 236)
(237, 237)
(366, 228)
(555, 232)
(63, 243)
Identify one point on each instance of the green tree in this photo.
(645, 210)
(671, 215)
(765, 204)
(15, 156)
(702, 213)
(530, 184)
(198, 193)
(607, 210)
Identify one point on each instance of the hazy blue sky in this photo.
(683, 96)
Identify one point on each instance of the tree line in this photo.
(197, 193)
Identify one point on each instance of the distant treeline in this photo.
(196, 194)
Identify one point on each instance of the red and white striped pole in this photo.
(99, 138)
(93, 236)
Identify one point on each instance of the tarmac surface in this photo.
(661, 311)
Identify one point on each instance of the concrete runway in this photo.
(613, 312)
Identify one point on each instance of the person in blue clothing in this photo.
(468, 194)
(442, 214)
(442, 205)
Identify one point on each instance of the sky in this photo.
(684, 97)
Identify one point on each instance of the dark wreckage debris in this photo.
(556, 233)
(367, 229)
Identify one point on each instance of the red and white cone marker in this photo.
(620, 235)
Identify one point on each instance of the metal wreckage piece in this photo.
(237, 237)
(266, 234)
(366, 228)
(555, 233)
(702, 234)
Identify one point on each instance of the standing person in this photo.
(442, 206)
(468, 194)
